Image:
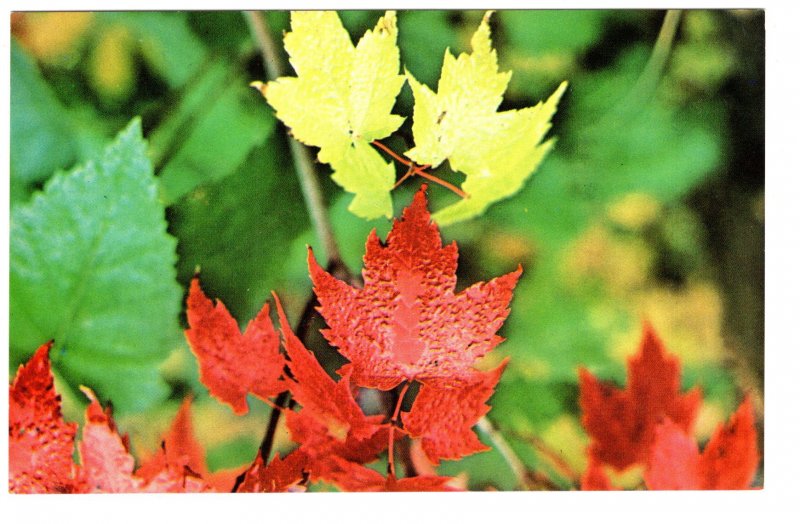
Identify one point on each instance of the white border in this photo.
(782, 392)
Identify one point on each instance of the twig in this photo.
(649, 78)
(301, 156)
(647, 82)
(552, 455)
(511, 458)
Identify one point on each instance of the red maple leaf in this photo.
(594, 478)
(351, 476)
(330, 422)
(233, 364)
(178, 446)
(443, 415)
(280, 475)
(622, 422)
(729, 460)
(108, 467)
(407, 322)
(182, 454)
(40, 442)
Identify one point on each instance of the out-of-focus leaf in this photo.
(223, 131)
(93, 268)
(423, 37)
(41, 137)
(237, 230)
(166, 41)
(543, 30)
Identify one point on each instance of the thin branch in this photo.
(648, 81)
(649, 78)
(558, 462)
(511, 458)
(303, 161)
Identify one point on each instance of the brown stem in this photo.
(394, 425)
(303, 161)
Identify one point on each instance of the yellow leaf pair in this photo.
(342, 98)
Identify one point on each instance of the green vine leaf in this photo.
(341, 100)
(93, 267)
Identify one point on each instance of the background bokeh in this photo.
(651, 205)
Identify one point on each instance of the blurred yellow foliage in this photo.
(566, 437)
(111, 67)
(51, 36)
(711, 415)
(623, 264)
(634, 210)
(630, 478)
(688, 320)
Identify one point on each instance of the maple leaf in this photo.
(729, 460)
(108, 467)
(443, 415)
(40, 442)
(622, 422)
(280, 475)
(594, 478)
(179, 445)
(233, 364)
(182, 454)
(407, 322)
(351, 476)
(341, 100)
(330, 422)
(497, 151)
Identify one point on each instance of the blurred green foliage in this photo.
(650, 206)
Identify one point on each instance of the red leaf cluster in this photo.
(729, 460)
(622, 422)
(649, 423)
(407, 324)
(40, 442)
(41, 445)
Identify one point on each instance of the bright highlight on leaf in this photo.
(341, 100)
(497, 151)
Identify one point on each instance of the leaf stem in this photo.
(414, 169)
(396, 414)
(303, 161)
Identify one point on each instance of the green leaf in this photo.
(560, 31)
(341, 99)
(41, 137)
(93, 268)
(237, 231)
(496, 151)
(224, 124)
(166, 41)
